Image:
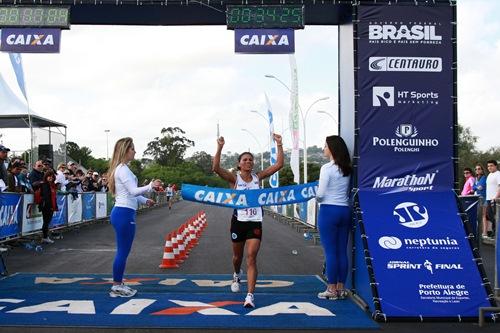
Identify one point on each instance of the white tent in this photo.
(14, 114)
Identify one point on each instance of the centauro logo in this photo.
(264, 40)
(32, 40)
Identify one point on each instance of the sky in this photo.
(134, 81)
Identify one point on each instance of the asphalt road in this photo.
(90, 249)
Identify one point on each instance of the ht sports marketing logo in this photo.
(388, 96)
(405, 64)
(411, 33)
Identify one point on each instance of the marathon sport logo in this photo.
(388, 96)
(405, 140)
(411, 183)
(394, 243)
(405, 64)
(411, 215)
(411, 33)
(30, 40)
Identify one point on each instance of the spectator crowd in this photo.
(15, 176)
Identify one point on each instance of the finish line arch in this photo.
(397, 92)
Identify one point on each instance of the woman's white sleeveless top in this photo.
(253, 214)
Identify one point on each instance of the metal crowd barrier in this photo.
(494, 311)
(20, 217)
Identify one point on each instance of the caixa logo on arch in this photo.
(264, 41)
(411, 214)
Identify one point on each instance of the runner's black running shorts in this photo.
(241, 231)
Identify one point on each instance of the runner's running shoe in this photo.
(249, 301)
(236, 285)
(121, 290)
(327, 294)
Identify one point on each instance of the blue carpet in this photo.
(173, 301)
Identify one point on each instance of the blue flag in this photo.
(17, 64)
(249, 198)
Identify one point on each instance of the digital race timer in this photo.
(34, 16)
(263, 17)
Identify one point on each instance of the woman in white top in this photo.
(334, 216)
(123, 185)
(246, 224)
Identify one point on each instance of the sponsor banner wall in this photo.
(30, 40)
(32, 217)
(74, 209)
(405, 105)
(101, 208)
(414, 240)
(60, 218)
(10, 214)
(88, 206)
(264, 41)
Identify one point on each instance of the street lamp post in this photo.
(329, 115)
(107, 143)
(261, 152)
(303, 116)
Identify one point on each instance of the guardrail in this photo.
(20, 217)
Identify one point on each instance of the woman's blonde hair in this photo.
(119, 156)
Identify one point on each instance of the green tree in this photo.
(203, 160)
(100, 165)
(169, 149)
(80, 154)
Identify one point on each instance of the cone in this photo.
(175, 247)
(168, 260)
(192, 237)
(203, 220)
(187, 238)
(180, 242)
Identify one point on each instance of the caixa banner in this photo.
(405, 103)
(32, 40)
(264, 41)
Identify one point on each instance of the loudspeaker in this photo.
(45, 151)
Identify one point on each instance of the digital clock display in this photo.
(34, 16)
(263, 17)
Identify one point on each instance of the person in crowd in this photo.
(492, 191)
(61, 180)
(47, 165)
(479, 188)
(13, 183)
(3, 164)
(469, 182)
(36, 175)
(246, 224)
(72, 167)
(94, 184)
(79, 180)
(123, 184)
(23, 179)
(169, 191)
(334, 217)
(49, 203)
(103, 183)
